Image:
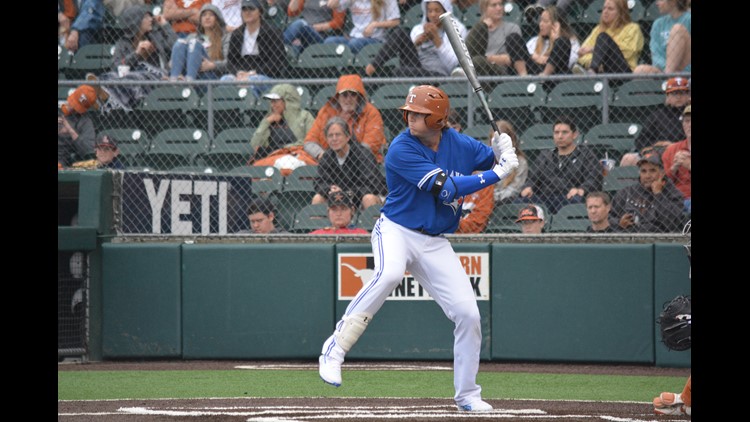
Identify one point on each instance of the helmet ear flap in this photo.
(435, 122)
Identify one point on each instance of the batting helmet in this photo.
(429, 100)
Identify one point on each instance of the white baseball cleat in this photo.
(330, 370)
(476, 406)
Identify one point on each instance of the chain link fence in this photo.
(189, 162)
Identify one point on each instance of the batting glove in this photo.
(501, 142)
(507, 163)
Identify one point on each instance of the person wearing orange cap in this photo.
(664, 125)
(350, 102)
(531, 219)
(75, 128)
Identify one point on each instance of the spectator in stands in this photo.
(654, 205)
(614, 45)
(144, 49)
(232, 12)
(598, 207)
(554, 50)
(531, 218)
(350, 102)
(347, 166)
(183, 15)
(261, 214)
(671, 39)
(487, 39)
(341, 210)
(316, 21)
(565, 174)
(145, 44)
(284, 126)
(81, 23)
(371, 19)
(508, 189)
(107, 155)
(75, 127)
(256, 49)
(426, 50)
(677, 161)
(663, 126)
(202, 55)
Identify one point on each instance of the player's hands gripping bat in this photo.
(501, 142)
(464, 59)
(505, 155)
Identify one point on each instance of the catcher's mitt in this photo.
(675, 323)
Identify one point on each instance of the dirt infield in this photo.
(358, 409)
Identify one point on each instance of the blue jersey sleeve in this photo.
(411, 172)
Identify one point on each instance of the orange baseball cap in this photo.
(530, 212)
(677, 84)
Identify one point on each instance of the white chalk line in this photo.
(309, 413)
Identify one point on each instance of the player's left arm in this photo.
(429, 178)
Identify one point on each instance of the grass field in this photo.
(97, 385)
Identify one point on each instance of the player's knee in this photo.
(467, 313)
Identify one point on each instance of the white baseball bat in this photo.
(464, 59)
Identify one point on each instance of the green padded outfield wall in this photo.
(411, 326)
(141, 303)
(251, 301)
(573, 302)
(671, 278)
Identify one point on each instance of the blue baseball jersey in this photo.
(409, 167)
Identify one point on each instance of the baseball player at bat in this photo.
(429, 169)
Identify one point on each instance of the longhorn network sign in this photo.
(356, 269)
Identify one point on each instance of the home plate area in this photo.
(350, 410)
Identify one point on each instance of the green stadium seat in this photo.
(297, 191)
(635, 100)
(471, 15)
(305, 96)
(230, 148)
(368, 217)
(412, 17)
(612, 140)
(620, 177)
(517, 102)
(176, 147)
(276, 16)
(579, 99)
(266, 181)
(310, 217)
(480, 132)
(366, 56)
(324, 61)
(64, 57)
(93, 58)
(167, 107)
(570, 218)
(321, 97)
(229, 105)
